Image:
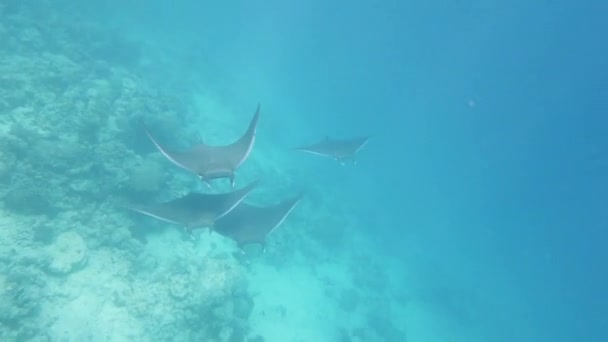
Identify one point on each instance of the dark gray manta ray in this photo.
(340, 150)
(212, 162)
(251, 224)
(196, 210)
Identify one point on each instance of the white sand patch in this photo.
(170, 245)
(290, 305)
(87, 308)
(90, 317)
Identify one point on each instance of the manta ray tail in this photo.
(231, 178)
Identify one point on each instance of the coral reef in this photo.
(211, 290)
(75, 265)
(21, 294)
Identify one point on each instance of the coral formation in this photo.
(22, 291)
(66, 254)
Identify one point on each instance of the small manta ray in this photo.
(196, 210)
(340, 150)
(251, 224)
(212, 162)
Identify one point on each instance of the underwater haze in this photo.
(475, 207)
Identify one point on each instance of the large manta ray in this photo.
(212, 162)
(196, 210)
(251, 224)
(340, 150)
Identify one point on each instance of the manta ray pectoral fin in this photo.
(166, 153)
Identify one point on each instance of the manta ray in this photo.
(196, 210)
(213, 162)
(251, 224)
(340, 150)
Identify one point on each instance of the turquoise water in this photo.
(476, 212)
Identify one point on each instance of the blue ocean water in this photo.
(482, 193)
